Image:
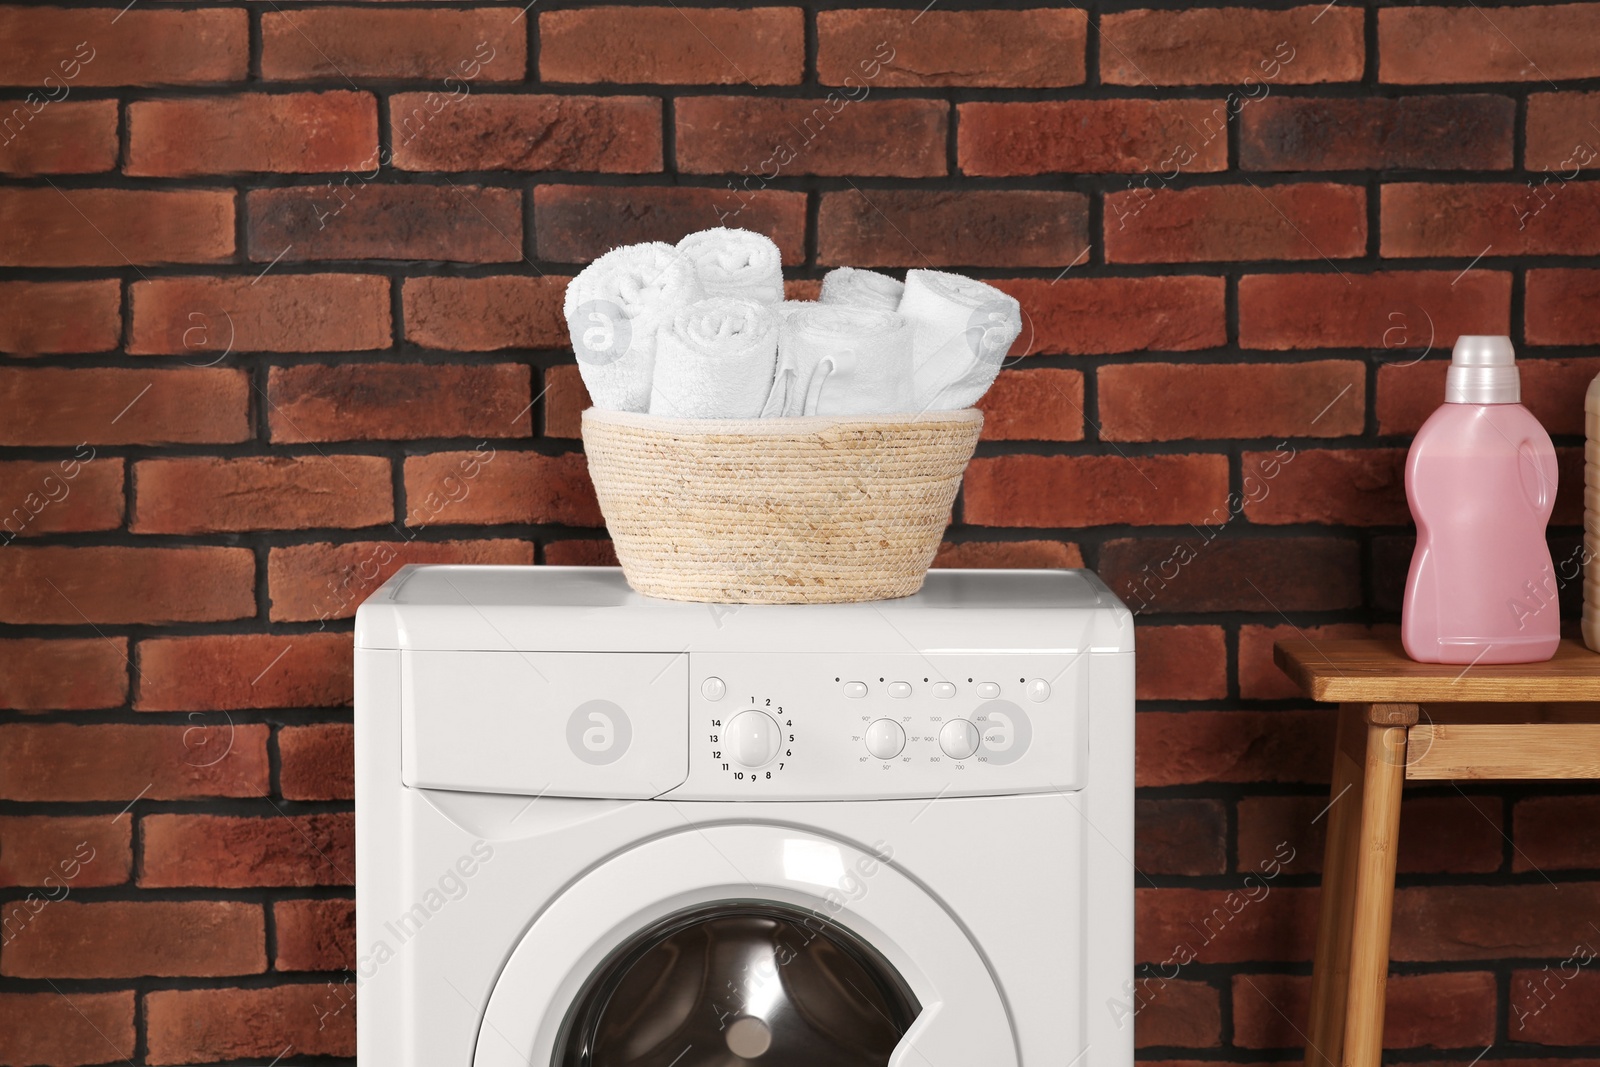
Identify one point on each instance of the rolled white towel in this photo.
(736, 263)
(961, 332)
(789, 307)
(839, 359)
(715, 360)
(863, 288)
(615, 307)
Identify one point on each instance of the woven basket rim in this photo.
(780, 427)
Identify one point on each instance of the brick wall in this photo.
(279, 308)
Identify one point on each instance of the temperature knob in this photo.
(753, 738)
(885, 738)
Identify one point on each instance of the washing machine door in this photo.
(746, 946)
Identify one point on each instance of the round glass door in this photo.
(740, 983)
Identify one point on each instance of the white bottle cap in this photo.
(1483, 370)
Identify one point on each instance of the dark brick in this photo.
(974, 228)
(1465, 132)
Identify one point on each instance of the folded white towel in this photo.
(863, 288)
(715, 360)
(961, 332)
(614, 309)
(845, 360)
(736, 263)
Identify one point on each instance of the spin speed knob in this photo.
(752, 738)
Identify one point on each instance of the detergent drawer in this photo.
(568, 724)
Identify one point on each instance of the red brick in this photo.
(565, 400)
(759, 136)
(1182, 663)
(71, 674)
(327, 581)
(1452, 1010)
(1034, 48)
(1008, 555)
(483, 314)
(206, 494)
(608, 134)
(318, 762)
(114, 227)
(1174, 401)
(352, 219)
(1502, 219)
(1562, 307)
(969, 227)
(1555, 833)
(1357, 487)
(1185, 748)
(1034, 405)
(1181, 837)
(1496, 44)
(673, 45)
(1471, 131)
(49, 762)
(208, 1025)
(1390, 309)
(65, 137)
(117, 406)
(1259, 676)
(462, 45)
(74, 851)
(60, 496)
(1093, 137)
(580, 552)
(131, 939)
(118, 584)
(69, 1029)
(234, 853)
(226, 671)
(1253, 921)
(519, 487)
(200, 317)
(1199, 570)
(1561, 133)
(398, 401)
(49, 318)
(577, 224)
(1075, 491)
(1082, 316)
(1236, 222)
(141, 47)
(286, 133)
(802, 288)
(1249, 48)
(1551, 388)
(315, 935)
(1438, 835)
(1557, 1004)
(1175, 1013)
(1461, 922)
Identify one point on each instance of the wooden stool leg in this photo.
(1330, 976)
(1374, 897)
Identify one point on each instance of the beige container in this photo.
(1591, 516)
(778, 511)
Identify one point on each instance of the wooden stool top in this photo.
(1372, 670)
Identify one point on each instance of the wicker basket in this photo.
(778, 511)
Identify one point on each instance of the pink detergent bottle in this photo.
(1481, 479)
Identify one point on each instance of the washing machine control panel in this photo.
(808, 727)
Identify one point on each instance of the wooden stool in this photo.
(1469, 729)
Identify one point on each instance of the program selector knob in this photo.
(752, 738)
(885, 738)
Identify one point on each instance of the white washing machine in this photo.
(596, 829)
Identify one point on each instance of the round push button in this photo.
(899, 690)
(988, 690)
(959, 739)
(885, 738)
(1038, 690)
(943, 690)
(714, 688)
(752, 738)
(855, 690)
